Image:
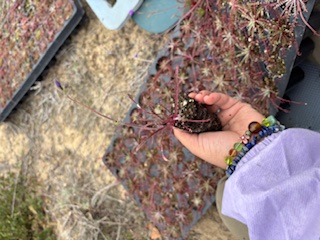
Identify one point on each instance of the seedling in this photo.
(185, 113)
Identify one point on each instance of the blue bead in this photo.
(235, 162)
(254, 140)
(232, 167)
(261, 134)
(237, 159)
(276, 129)
(244, 149)
(241, 154)
(249, 145)
(264, 128)
(269, 131)
(229, 172)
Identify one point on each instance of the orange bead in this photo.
(255, 127)
(233, 153)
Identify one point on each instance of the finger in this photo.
(192, 95)
(219, 101)
(202, 92)
(214, 101)
(199, 97)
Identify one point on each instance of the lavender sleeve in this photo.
(275, 189)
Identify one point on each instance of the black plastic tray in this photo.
(207, 170)
(44, 60)
(306, 114)
(292, 54)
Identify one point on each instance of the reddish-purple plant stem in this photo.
(308, 25)
(144, 110)
(176, 96)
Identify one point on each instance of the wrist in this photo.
(256, 132)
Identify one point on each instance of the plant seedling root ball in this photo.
(190, 111)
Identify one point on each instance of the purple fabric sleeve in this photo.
(275, 189)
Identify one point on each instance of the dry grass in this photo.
(62, 144)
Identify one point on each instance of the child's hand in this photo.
(235, 117)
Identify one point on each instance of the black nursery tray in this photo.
(292, 55)
(13, 91)
(172, 186)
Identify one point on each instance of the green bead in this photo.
(269, 121)
(237, 147)
(228, 160)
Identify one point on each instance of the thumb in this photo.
(188, 140)
(209, 146)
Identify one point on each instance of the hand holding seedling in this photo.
(235, 117)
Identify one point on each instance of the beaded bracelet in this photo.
(255, 133)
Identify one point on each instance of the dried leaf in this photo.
(153, 232)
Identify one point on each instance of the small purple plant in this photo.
(58, 84)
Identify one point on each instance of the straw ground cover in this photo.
(61, 144)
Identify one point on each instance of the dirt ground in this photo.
(62, 143)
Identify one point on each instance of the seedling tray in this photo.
(307, 91)
(46, 47)
(172, 186)
(291, 57)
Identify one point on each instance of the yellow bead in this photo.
(265, 122)
(228, 160)
(269, 121)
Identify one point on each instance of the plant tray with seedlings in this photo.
(173, 187)
(237, 47)
(31, 33)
